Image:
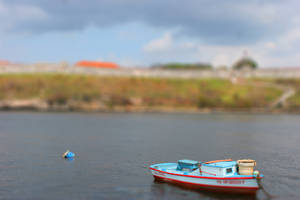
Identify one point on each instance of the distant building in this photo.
(4, 62)
(95, 64)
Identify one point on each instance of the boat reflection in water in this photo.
(165, 190)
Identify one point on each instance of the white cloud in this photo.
(270, 45)
(209, 31)
(169, 48)
(291, 36)
(282, 51)
(163, 44)
(220, 60)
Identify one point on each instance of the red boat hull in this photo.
(236, 190)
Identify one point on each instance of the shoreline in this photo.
(41, 106)
(78, 93)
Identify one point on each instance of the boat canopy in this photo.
(187, 165)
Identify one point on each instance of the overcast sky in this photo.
(140, 32)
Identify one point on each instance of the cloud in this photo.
(19, 15)
(211, 31)
(160, 45)
(273, 53)
(270, 45)
(168, 48)
(218, 22)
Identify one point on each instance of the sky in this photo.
(138, 33)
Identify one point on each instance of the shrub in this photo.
(245, 63)
(197, 66)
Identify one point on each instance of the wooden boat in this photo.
(219, 175)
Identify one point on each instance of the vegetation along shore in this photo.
(58, 92)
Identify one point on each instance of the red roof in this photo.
(4, 62)
(95, 64)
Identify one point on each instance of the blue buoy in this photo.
(68, 154)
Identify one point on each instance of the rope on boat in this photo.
(268, 195)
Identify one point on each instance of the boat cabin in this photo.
(227, 168)
(221, 168)
(187, 165)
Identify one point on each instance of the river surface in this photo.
(114, 152)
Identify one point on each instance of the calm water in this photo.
(114, 151)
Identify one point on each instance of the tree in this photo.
(184, 66)
(245, 63)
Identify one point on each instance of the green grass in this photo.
(125, 91)
(294, 101)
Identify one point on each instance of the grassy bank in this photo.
(93, 92)
(294, 101)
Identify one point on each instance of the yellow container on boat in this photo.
(246, 166)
